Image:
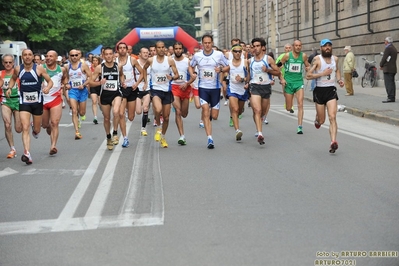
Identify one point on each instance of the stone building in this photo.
(362, 24)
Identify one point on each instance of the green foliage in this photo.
(66, 24)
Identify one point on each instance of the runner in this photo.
(238, 87)
(261, 68)
(79, 77)
(129, 93)
(95, 91)
(293, 80)
(210, 64)
(181, 89)
(52, 102)
(111, 76)
(9, 106)
(31, 98)
(143, 95)
(162, 97)
(326, 72)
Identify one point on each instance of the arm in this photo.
(12, 81)
(274, 69)
(174, 70)
(65, 79)
(87, 72)
(136, 64)
(384, 57)
(305, 61)
(315, 65)
(121, 76)
(94, 76)
(338, 73)
(43, 73)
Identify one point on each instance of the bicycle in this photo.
(370, 76)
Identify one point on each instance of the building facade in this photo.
(362, 24)
(206, 16)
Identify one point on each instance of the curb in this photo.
(360, 113)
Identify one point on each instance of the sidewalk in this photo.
(366, 102)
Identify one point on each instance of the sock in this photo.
(144, 119)
(115, 132)
(108, 136)
(210, 137)
(12, 148)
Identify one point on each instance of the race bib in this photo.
(30, 97)
(182, 77)
(328, 79)
(76, 82)
(208, 74)
(111, 85)
(261, 78)
(161, 79)
(295, 68)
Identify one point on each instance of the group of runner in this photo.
(125, 85)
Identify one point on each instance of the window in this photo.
(340, 5)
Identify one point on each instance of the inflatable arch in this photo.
(164, 33)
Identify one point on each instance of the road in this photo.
(288, 202)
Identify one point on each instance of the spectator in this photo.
(388, 65)
(349, 67)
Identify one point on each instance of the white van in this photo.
(14, 48)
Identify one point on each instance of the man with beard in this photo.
(325, 70)
(143, 94)
(181, 89)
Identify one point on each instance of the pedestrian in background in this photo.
(349, 67)
(388, 66)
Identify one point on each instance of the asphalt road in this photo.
(288, 202)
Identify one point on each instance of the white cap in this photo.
(347, 48)
(59, 58)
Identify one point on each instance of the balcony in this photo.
(199, 14)
(206, 4)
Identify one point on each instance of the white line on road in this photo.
(7, 171)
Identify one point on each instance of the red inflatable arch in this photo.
(165, 33)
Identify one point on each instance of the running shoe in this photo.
(238, 135)
(34, 134)
(63, 104)
(157, 136)
(265, 121)
(161, 119)
(164, 144)
(256, 134)
(26, 158)
(333, 147)
(78, 135)
(299, 130)
(261, 139)
(115, 139)
(83, 117)
(201, 124)
(110, 144)
(240, 116)
(182, 141)
(95, 121)
(210, 145)
(125, 143)
(70, 111)
(317, 124)
(143, 132)
(155, 123)
(12, 154)
(292, 109)
(79, 123)
(226, 102)
(231, 123)
(53, 151)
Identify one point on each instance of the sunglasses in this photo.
(237, 51)
(72, 55)
(7, 62)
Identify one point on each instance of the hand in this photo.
(238, 78)
(102, 81)
(46, 90)
(341, 83)
(8, 93)
(145, 86)
(218, 69)
(184, 86)
(327, 72)
(264, 69)
(169, 77)
(67, 86)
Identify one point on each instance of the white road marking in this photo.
(7, 171)
(78, 224)
(55, 172)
